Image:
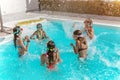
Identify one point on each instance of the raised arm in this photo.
(31, 37)
(44, 34)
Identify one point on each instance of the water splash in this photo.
(109, 63)
(67, 26)
(117, 78)
(86, 77)
(70, 26)
(91, 52)
(117, 49)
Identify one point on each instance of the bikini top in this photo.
(39, 34)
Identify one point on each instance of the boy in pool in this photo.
(81, 44)
(52, 57)
(39, 33)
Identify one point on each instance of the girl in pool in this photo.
(88, 28)
(81, 44)
(39, 33)
(18, 42)
(52, 57)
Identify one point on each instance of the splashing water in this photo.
(102, 63)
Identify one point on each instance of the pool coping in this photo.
(9, 37)
(12, 19)
(97, 19)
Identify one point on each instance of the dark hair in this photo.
(15, 32)
(51, 44)
(39, 25)
(77, 32)
(50, 57)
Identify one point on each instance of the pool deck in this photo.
(11, 18)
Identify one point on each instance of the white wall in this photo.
(14, 6)
(32, 5)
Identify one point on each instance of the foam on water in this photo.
(91, 52)
(86, 77)
(110, 64)
(117, 49)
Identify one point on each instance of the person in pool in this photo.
(19, 42)
(81, 44)
(88, 28)
(39, 33)
(52, 57)
(76, 33)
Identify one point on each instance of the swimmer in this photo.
(81, 44)
(88, 28)
(52, 57)
(18, 42)
(39, 33)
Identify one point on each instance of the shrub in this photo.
(98, 7)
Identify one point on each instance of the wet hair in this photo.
(39, 25)
(77, 32)
(16, 31)
(50, 45)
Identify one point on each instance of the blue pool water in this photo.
(103, 61)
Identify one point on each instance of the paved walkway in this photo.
(60, 15)
(11, 19)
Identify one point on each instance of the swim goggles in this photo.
(50, 49)
(18, 30)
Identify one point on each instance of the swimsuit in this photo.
(19, 46)
(39, 35)
(81, 49)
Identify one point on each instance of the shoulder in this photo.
(56, 50)
(84, 38)
(35, 32)
(77, 41)
(19, 39)
(43, 31)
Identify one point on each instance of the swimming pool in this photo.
(103, 62)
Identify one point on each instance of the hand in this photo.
(72, 44)
(27, 38)
(32, 38)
